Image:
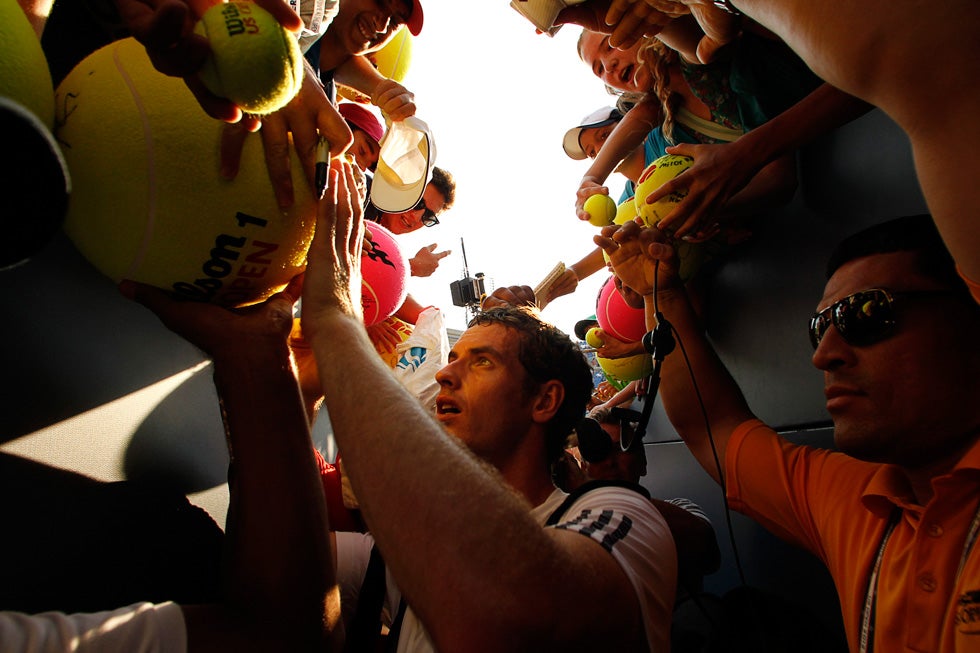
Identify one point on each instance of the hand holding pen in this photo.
(322, 166)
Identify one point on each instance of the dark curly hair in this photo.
(547, 353)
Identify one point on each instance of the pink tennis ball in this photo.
(616, 317)
(384, 276)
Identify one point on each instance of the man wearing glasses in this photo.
(438, 197)
(893, 513)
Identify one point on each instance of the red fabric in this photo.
(342, 518)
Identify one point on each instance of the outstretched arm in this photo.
(727, 171)
(393, 99)
(279, 581)
(399, 458)
(624, 138)
(635, 253)
(859, 45)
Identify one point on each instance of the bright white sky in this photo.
(498, 98)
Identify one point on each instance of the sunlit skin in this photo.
(480, 399)
(591, 139)
(903, 400)
(619, 69)
(365, 150)
(409, 221)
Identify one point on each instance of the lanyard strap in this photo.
(866, 644)
(871, 596)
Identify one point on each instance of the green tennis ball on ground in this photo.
(601, 209)
(254, 62)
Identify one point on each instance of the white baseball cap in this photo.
(598, 118)
(408, 154)
(543, 12)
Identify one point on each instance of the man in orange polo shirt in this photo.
(894, 512)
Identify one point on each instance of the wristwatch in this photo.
(727, 6)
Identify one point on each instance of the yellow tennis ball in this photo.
(592, 338)
(148, 202)
(254, 62)
(24, 74)
(601, 209)
(654, 176)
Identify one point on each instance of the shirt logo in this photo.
(968, 613)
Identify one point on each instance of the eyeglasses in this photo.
(429, 217)
(863, 318)
(629, 422)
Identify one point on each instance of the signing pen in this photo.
(322, 163)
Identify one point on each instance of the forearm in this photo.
(772, 186)
(824, 109)
(279, 568)
(588, 264)
(624, 138)
(722, 399)
(410, 310)
(358, 73)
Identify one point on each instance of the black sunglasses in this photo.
(863, 318)
(429, 217)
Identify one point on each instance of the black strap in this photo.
(588, 486)
(396, 627)
(364, 631)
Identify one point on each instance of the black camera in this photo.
(468, 291)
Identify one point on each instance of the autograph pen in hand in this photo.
(322, 164)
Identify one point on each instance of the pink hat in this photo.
(363, 119)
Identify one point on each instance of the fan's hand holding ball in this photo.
(148, 202)
(654, 176)
(690, 256)
(255, 62)
(601, 209)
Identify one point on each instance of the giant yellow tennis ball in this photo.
(601, 209)
(395, 58)
(254, 62)
(24, 74)
(626, 211)
(654, 176)
(620, 371)
(147, 199)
